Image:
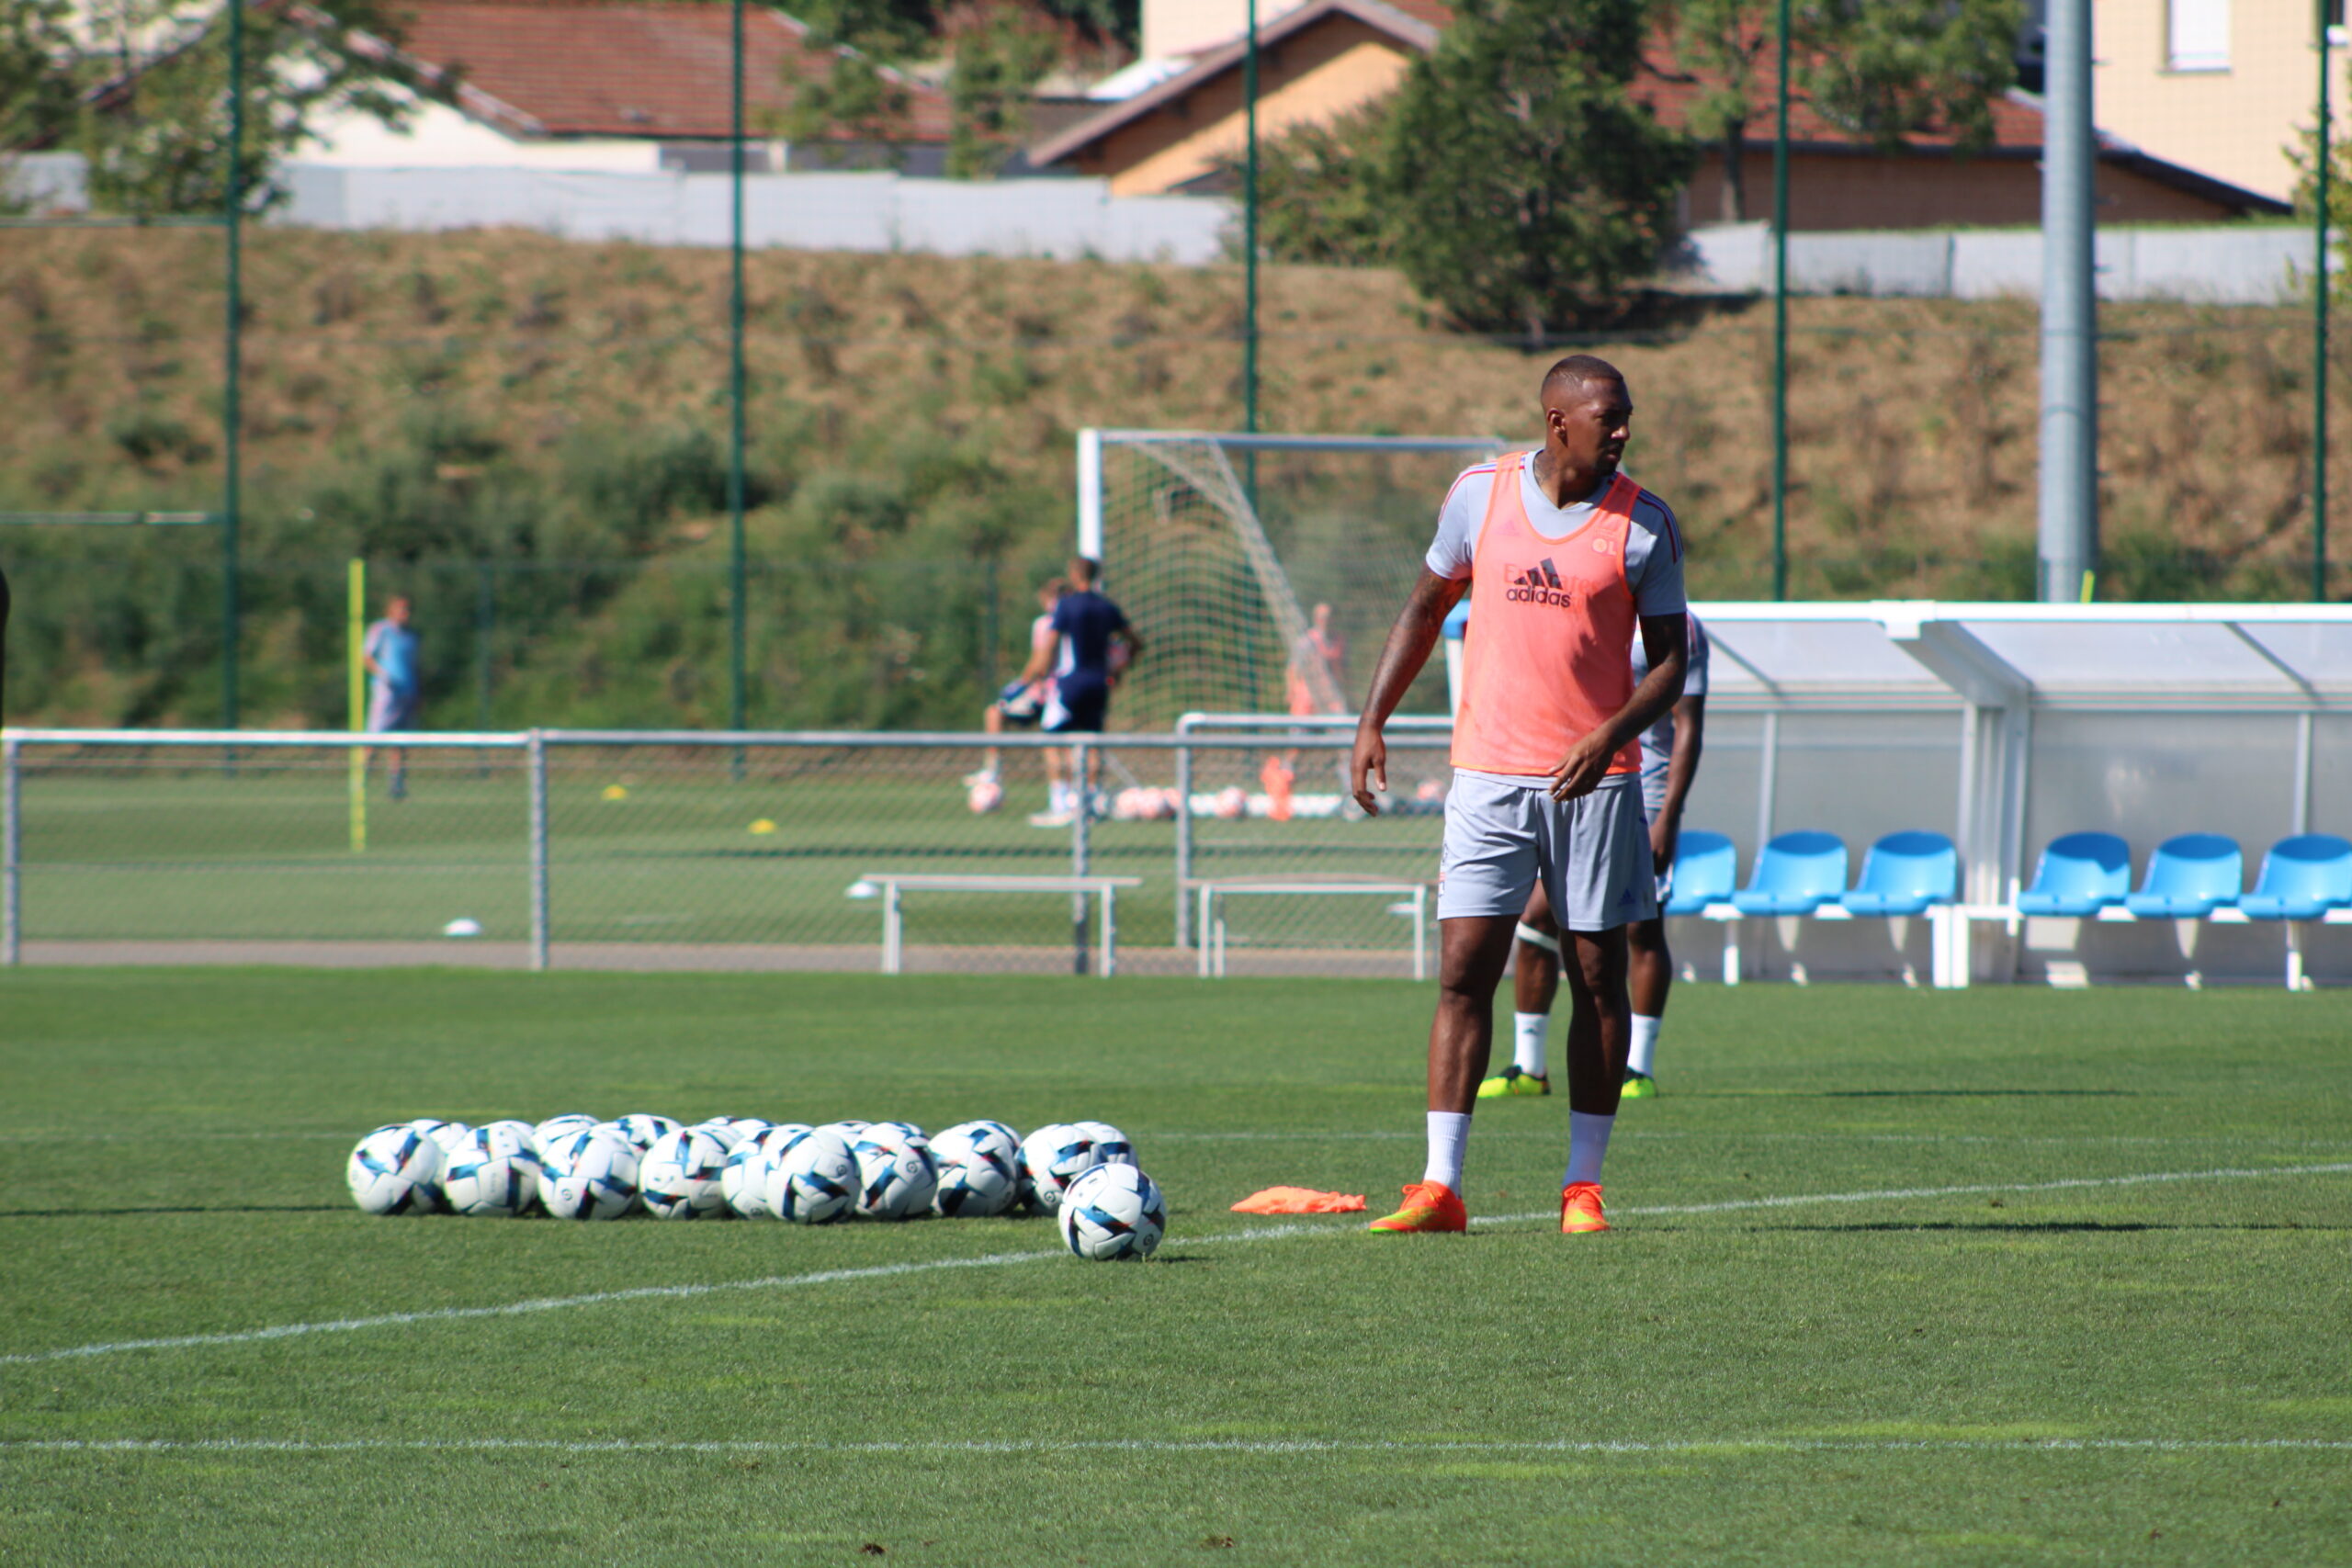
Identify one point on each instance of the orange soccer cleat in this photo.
(1429, 1206)
(1580, 1209)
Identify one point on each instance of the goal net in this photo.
(1221, 549)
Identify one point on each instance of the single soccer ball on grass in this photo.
(1051, 1159)
(555, 1129)
(1112, 1214)
(393, 1169)
(720, 1127)
(493, 1172)
(679, 1176)
(979, 1170)
(813, 1179)
(1111, 1145)
(984, 796)
(643, 1130)
(744, 1178)
(897, 1174)
(590, 1176)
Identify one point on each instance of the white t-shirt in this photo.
(1657, 741)
(1653, 545)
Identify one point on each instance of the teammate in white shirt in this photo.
(1671, 752)
(1022, 700)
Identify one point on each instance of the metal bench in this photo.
(1211, 925)
(892, 884)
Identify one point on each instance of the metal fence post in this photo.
(537, 755)
(1183, 842)
(1080, 756)
(11, 853)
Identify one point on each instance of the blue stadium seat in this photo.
(1794, 875)
(2303, 879)
(1904, 873)
(2080, 873)
(1706, 870)
(2188, 877)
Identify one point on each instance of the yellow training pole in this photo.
(357, 638)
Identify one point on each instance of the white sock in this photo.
(1645, 1049)
(1529, 1030)
(1057, 798)
(1449, 1136)
(1588, 1145)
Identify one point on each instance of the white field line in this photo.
(1001, 1259)
(1180, 1446)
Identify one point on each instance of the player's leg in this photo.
(1650, 974)
(1600, 1029)
(992, 760)
(1599, 865)
(1486, 868)
(1537, 967)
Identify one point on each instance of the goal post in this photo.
(1221, 546)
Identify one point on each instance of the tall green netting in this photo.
(1220, 546)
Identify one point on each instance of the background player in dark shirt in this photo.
(1092, 644)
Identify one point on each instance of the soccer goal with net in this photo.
(1222, 546)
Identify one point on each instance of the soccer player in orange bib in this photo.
(1563, 558)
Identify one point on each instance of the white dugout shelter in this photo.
(2006, 726)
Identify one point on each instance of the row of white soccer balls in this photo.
(573, 1167)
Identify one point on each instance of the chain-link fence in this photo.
(633, 849)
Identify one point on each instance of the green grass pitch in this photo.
(1997, 1277)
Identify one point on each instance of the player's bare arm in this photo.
(1663, 638)
(1415, 632)
(1682, 770)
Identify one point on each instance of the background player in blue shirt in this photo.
(395, 687)
(1091, 645)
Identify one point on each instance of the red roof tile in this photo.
(627, 69)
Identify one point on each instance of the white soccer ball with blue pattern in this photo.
(1113, 1213)
(555, 1129)
(679, 1176)
(1051, 1159)
(644, 1130)
(744, 1178)
(748, 1127)
(493, 1172)
(1111, 1145)
(449, 1135)
(897, 1174)
(979, 1170)
(719, 1127)
(392, 1171)
(590, 1176)
(813, 1179)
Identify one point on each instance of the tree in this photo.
(1320, 195)
(154, 126)
(1525, 184)
(1001, 54)
(1884, 70)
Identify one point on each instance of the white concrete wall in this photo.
(2225, 264)
(813, 211)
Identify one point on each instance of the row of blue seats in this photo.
(2188, 877)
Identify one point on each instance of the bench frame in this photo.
(894, 885)
(1211, 924)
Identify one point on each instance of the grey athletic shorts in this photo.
(1593, 853)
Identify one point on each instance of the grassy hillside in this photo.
(529, 433)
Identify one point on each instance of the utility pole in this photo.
(2068, 533)
(2320, 286)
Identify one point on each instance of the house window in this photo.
(2196, 35)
